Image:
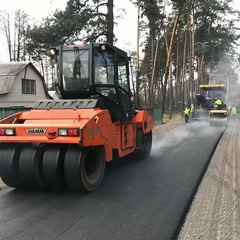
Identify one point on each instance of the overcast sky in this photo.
(126, 30)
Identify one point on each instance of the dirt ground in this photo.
(168, 123)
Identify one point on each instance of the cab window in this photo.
(122, 74)
(104, 67)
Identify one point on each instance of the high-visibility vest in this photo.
(186, 110)
(218, 102)
(234, 110)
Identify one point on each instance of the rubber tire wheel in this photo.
(53, 167)
(9, 171)
(144, 144)
(30, 168)
(80, 175)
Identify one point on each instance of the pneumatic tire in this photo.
(84, 168)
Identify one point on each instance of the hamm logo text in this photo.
(36, 131)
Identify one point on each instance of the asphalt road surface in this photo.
(139, 199)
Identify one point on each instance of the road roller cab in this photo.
(67, 142)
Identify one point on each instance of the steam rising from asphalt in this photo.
(181, 134)
(170, 138)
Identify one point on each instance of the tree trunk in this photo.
(7, 32)
(177, 86)
(203, 56)
(110, 22)
(183, 71)
(151, 97)
(168, 62)
(137, 100)
(170, 91)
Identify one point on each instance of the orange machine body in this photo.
(67, 141)
(93, 127)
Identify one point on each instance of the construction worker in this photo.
(187, 111)
(233, 112)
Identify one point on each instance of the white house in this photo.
(21, 85)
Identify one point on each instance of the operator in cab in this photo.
(218, 101)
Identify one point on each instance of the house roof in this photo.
(12, 69)
(9, 70)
